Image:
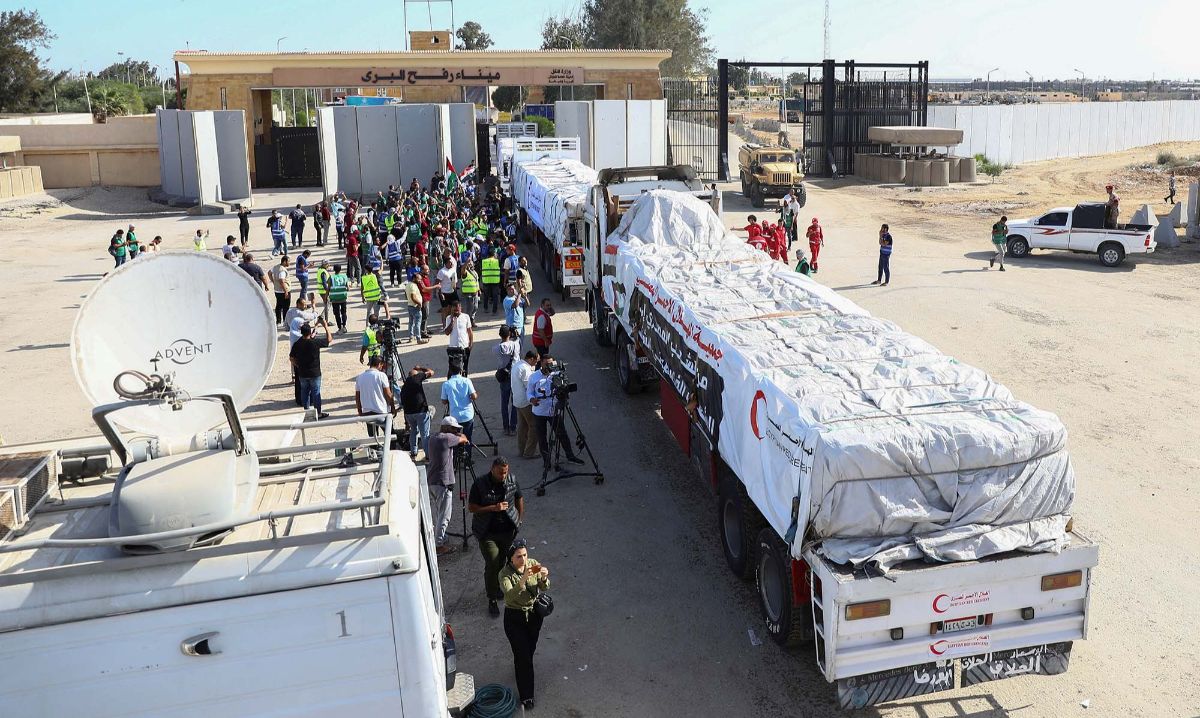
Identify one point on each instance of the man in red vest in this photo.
(543, 328)
(752, 229)
(816, 240)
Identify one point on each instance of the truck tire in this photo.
(745, 187)
(1111, 254)
(787, 623)
(1018, 246)
(556, 276)
(738, 523)
(757, 199)
(599, 320)
(801, 196)
(627, 373)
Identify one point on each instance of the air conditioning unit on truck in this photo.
(901, 513)
(221, 570)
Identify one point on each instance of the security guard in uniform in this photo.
(468, 288)
(491, 283)
(339, 292)
(372, 293)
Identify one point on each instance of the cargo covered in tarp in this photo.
(552, 192)
(846, 431)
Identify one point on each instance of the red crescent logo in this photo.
(937, 648)
(754, 412)
(937, 598)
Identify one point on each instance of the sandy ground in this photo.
(649, 621)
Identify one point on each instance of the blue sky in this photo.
(960, 38)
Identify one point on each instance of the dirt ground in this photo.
(649, 621)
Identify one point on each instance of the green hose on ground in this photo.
(492, 701)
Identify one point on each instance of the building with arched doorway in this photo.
(247, 80)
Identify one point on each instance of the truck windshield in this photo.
(782, 157)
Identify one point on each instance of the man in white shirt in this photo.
(373, 394)
(298, 316)
(507, 353)
(462, 337)
(447, 278)
(522, 370)
(792, 207)
(541, 395)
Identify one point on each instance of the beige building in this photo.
(244, 80)
(81, 153)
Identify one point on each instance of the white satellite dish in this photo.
(188, 313)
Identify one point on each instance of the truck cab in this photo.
(613, 194)
(1079, 229)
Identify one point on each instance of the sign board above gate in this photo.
(391, 76)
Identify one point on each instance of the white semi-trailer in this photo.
(220, 569)
(551, 194)
(901, 513)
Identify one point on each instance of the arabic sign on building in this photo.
(386, 76)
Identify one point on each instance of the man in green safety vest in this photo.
(491, 284)
(469, 290)
(323, 277)
(372, 293)
(370, 340)
(339, 291)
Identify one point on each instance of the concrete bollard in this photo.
(1193, 211)
(919, 175)
(1143, 215)
(894, 172)
(966, 169)
(939, 173)
(954, 163)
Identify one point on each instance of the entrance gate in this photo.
(840, 100)
(693, 125)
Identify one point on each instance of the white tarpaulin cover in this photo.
(553, 193)
(894, 450)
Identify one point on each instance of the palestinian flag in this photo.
(452, 180)
(470, 170)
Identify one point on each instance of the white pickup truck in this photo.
(1079, 229)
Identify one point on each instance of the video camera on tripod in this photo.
(385, 332)
(561, 385)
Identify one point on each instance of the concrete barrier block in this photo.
(1175, 215)
(920, 173)
(1193, 210)
(1165, 235)
(966, 169)
(954, 164)
(939, 173)
(1143, 215)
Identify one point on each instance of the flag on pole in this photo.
(470, 170)
(452, 180)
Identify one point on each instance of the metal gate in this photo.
(298, 155)
(841, 100)
(692, 126)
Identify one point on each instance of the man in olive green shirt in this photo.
(999, 242)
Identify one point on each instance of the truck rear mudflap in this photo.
(937, 627)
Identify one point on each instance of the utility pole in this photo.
(86, 94)
(827, 21)
(988, 93)
(1027, 72)
(1082, 82)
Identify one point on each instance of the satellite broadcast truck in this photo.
(221, 568)
(812, 422)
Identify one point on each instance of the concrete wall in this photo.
(233, 155)
(615, 133)
(20, 181)
(1013, 134)
(71, 118)
(119, 153)
(365, 149)
(203, 155)
(462, 135)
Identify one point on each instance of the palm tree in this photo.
(107, 103)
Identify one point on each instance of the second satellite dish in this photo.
(188, 313)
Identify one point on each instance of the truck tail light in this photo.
(1147, 240)
(868, 609)
(1055, 581)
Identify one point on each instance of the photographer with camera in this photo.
(522, 579)
(507, 352)
(458, 396)
(439, 473)
(373, 394)
(416, 409)
(527, 445)
(462, 337)
(546, 390)
(497, 508)
(370, 340)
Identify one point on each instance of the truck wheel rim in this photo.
(770, 587)
(1110, 256)
(729, 526)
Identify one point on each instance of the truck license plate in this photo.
(960, 624)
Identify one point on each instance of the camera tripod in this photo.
(464, 472)
(562, 412)
(491, 442)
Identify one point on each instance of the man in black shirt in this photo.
(256, 273)
(497, 507)
(416, 409)
(244, 225)
(306, 360)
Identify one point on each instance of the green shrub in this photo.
(545, 126)
(1166, 158)
(989, 168)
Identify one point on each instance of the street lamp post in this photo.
(988, 92)
(279, 41)
(1027, 72)
(1082, 82)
